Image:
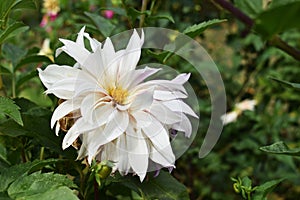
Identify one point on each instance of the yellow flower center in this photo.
(118, 94)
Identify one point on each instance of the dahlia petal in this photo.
(64, 89)
(184, 125)
(142, 118)
(79, 127)
(168, 95)
(122, 165)
(164, 157)
(93, 42)
(164, 114)
(157, 134)
(138, 152)
(134, 77)
(132, 53)
(181, 78)
(54, 73)
(80, 39)
(63, 109)
(142, 101)
(180, 106)
(94, 112)
(74, 50)
(94, 63)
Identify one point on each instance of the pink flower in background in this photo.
(109, 14)
(50, 10)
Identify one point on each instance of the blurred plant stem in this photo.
(144, 7)
(275, 41)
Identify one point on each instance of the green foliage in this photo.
(164, 186)
(31, 165)
(39, 185)
(9, 108)
(265, 20)
(197, 29)
(280, 148)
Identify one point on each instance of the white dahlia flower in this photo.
(120, 116)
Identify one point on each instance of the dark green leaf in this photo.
(3, 154)
(197, 29)
(26, 4)
(163, 187)
(37, 183)
(264, 23)
(293, 85)
(25, 77)
(32, 59)
(103, 25)
(9, 108)
(280, 148)
(162, 16)
(134, 13)
(12, 30)
(4, 196)
(262, 190)
(160, 56)
(251, 8)
(13, 53)
(9, 175)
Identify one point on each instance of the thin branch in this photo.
(144, 7)
(276, 41)
(236, 12)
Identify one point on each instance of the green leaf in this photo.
(162, 16)
(4, 196)
(13, 53)
(3, 154)
(25, 77)
(26, 4)
(9, 175)
(280, 148)
(134, 13)
(37, 183)
(63, 192)
(12, 30)
(162, 187)
(264, 22)
(251, 8)
(104, 26)
(293, 85)
(262, 190)
(9, 108)
(32, 59)
(197, 29)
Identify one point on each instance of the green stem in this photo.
(144, 7)
(42, 153)
(13, 85)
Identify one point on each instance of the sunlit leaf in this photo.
(37, 184)
(9, 175)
